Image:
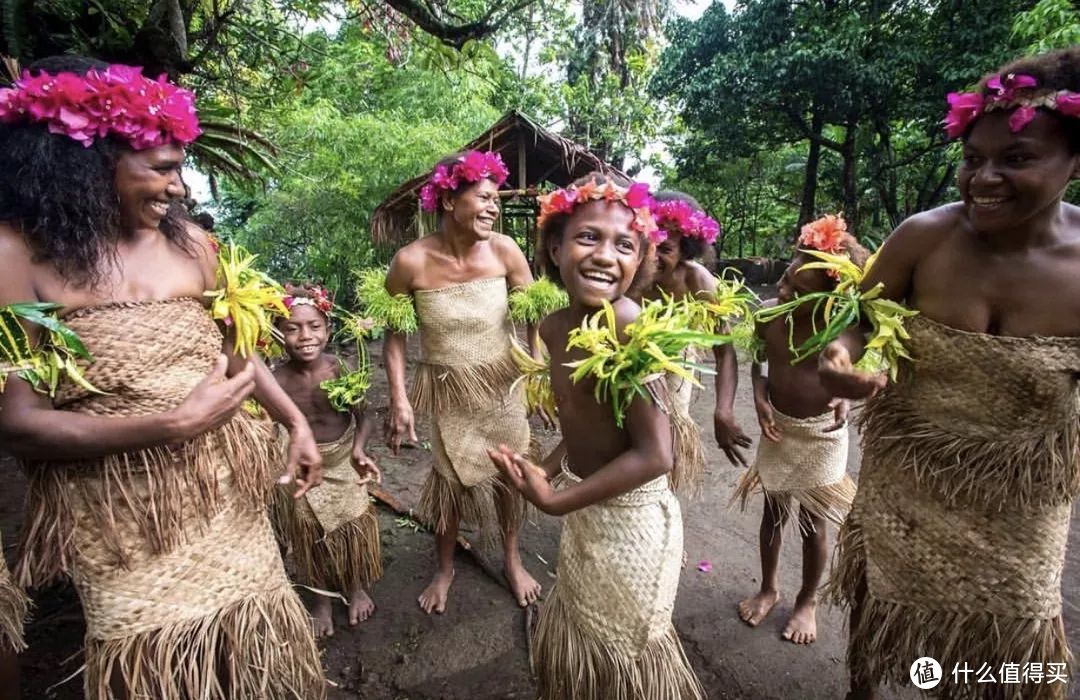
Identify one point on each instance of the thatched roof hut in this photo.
(533, 155)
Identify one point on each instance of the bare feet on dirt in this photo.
(433, 599)
(322, 616)
(360, 606)
(802, 627)
(524, 587)
(754, 610)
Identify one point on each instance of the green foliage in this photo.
(1049, 25)
(533, 303)
(395, 312)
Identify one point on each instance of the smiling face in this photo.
(474, 208)
(598, 254)
(147, 182)
(1006, 180)
(306, 333)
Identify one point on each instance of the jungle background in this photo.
(770, 112)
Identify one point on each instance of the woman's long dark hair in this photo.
(61, 196)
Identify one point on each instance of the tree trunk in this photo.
(849, 179)
(808, 209)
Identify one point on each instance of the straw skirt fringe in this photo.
(689, 470)
(445, 499)
(575, 666)
(13, 608)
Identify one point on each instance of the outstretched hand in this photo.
(365, 466)
(215, 399)
(730, 437)
(840, 377)
(526, 477)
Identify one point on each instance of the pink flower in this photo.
(473, 166)
(1020, 118)
(638, 195)
(1005, 88)
(964, 107)
(705, 566)
(429, 198)
(1068, 104)
(709, 229)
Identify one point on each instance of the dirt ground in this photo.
(477, 650)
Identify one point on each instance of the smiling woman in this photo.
(146, 484)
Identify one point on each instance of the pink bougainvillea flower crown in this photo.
(636, 198)
(677, 216)
(313, 296)
(118, 101)
(474, 166)
(828, 234)
(1012, 91)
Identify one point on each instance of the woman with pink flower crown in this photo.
(147, 484)
(459, 279)
(678, 274)
(955, 545)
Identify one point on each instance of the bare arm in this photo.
(400, 422)
(518, 276)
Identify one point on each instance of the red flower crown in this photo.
(474, 166)
(315, 296)
(827, 234)
(636, 198)
(117, 101)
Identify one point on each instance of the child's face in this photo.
(1006, 179)
(476, 208)
(599, 253)
(668, 254)
(306, 332)
(796, 282)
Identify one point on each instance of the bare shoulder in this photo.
(17, 278)
(698, 278)
(927, 229)
(626, 312)
(507, 249)
(406, 264)
(205, 252)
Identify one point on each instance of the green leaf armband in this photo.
(58, 354)
(537, 377)
(247, 299)
(532, 303)
(731, 305)
(844, 307)
(394, 312)
(654, 345)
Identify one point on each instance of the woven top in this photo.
(987, 385)
(464, 324)
(148, 355)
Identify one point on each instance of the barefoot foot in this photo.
(753, 610)
(524, 587)
(802, 627)
(360, 606)
(434, 596)
(322, 617)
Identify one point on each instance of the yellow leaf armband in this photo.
(247, 300)
(537, 377)
(846, 306)
(395, 312)
(541, 298)
(654, 345)
(56, 356)
(731, 305)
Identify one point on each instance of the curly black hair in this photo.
(690, 247)
(61, 196)
(555, 225)
(1055, 70)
